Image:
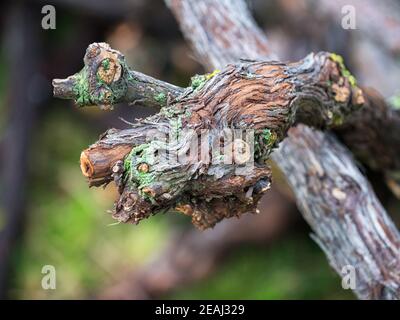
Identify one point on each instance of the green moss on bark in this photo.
(143, 153)
(345, 72)
(161, 98)
(81, 88)
(198, 81)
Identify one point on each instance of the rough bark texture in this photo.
(320, 86)
(264, 98)
(348, 221)
(197, 19)
(378, 279)
(372, 134)
(318, 91)
(106, 80)
(232, 23)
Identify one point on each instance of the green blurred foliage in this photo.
(292, 268)
(68, 226)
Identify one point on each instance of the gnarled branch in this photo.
(304, 142)
(264, 97)
(209, 193)
(202, 23)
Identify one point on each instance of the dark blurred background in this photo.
(49, 216)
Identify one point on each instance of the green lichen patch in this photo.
(161, 98)
(269, 137)
(143, 153)
(264, 142)
(345, 72)
(198, 81)
(81, 88)
(115, 92)
(172, 114)
(212, 74)
(106, 64)
(175, 117)
(144, 179)
(266, 134)
(102, 94)
(168, 112)
(337, 119)
(187, 113)
(176, 125)
(99, 92)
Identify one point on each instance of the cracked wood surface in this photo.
(264, 98)
(215, 51)
(377, 278)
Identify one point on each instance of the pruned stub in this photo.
(105, 72)
(102, 81)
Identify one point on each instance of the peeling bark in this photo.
(378, 253)
(264, 98)
(107, 83)
(197, 20)
(372, 134)
(282, 95)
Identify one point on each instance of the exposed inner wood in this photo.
(97, 163)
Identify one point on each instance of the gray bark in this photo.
(374, 250)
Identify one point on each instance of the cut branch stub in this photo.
(245, 108)
(102, 81)
(97, 164)
(106, 80)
